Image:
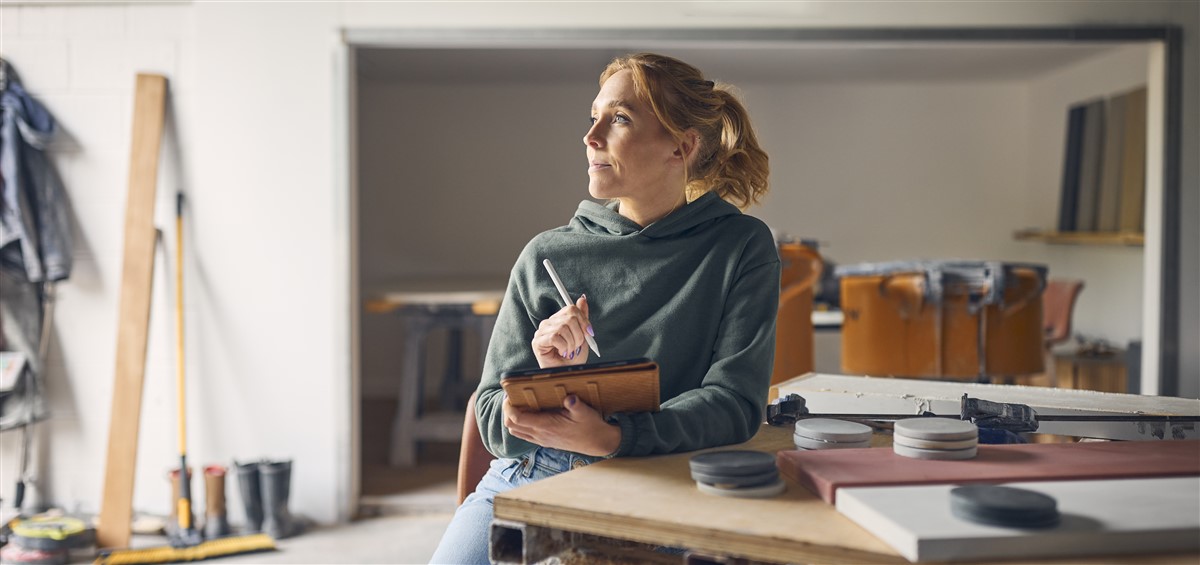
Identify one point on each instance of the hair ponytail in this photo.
(739, 168)
(729, 160)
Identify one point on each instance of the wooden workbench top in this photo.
(654, 500)
(483, 293)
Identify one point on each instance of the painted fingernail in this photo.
(572, 355)
(571, 400)
(578, 349)
(590, 332)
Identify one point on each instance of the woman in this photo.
(667, 270)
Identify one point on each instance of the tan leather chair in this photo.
(1058, 305)
(801, 270)
(473, 457)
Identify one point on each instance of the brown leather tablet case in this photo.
(630, 388)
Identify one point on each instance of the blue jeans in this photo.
(466, 539)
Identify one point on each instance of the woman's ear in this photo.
(688, 145)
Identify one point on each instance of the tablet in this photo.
(630, 385)
(553, 371)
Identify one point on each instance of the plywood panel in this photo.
(834, 394)
(1097, 517)
(824, 472)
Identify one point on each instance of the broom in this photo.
(187, 543)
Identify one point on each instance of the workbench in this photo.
(423, 305)
(631, 505)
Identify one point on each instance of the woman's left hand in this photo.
(578, 428)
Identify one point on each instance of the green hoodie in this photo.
(696, 291)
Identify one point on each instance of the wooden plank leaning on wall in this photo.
(137, 278)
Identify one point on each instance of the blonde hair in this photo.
(729, 159)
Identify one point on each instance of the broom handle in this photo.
(184, 510)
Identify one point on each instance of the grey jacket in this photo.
(35, 230)
(697, 291)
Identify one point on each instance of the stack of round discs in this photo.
(935, 438)
(828, 433)
(744, 474)
(1004, 506)
(46, 540)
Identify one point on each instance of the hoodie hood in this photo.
(606, 220)
(33, 120)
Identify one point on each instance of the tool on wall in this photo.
(1010, 417)
(186, 533)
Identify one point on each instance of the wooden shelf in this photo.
(1133, 239)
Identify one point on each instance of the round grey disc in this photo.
(829, 429)
(936, 428)
(1004, 506)
(736, 481)
(935, 443)
(941, 454)
(732, 463)
(808, 443)
(765, 491)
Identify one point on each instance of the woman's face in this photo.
(630, 154)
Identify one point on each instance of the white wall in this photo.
(268, 343)
(1110, 306)
(877, 171)
(884, 171)
(80, 62)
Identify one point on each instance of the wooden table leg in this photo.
(404, 443)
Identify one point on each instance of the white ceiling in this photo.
(825, 62)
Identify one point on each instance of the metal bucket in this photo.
(964, 320)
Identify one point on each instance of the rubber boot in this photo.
(173, 522)
(216, 524)
(276, 479)
(248, 487)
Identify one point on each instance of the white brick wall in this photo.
(83, 47)
(90, 22)
(42, 21)
(10, 21)
(80, 61)
(42, 63)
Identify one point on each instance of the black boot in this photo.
(252, 500)
(275, 477)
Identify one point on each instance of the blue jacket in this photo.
(35, 229)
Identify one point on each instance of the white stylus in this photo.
(562, 291)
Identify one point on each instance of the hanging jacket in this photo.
(35, 230)
(696, 291)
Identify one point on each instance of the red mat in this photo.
(823, 472)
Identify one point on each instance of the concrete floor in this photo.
(407, 529)
(386, 539)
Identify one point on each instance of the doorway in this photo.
(484, 126)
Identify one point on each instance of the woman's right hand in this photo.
(559, 339)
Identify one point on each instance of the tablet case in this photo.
(630, 388)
